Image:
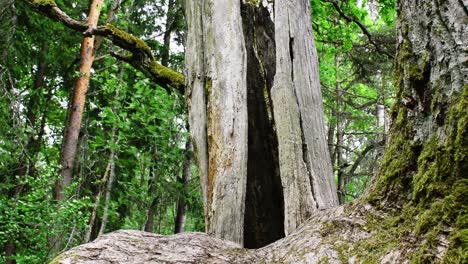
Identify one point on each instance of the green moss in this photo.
(399, 159)
(343, 251)
(324, 260)
(49, 3)
(459, 116)
(382, 240)
(434, 168)
(208, 85)
(130, 40)
(175, 79)
(60, 257)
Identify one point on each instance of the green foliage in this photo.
(147, 123)
(364, 76)
(30, 219)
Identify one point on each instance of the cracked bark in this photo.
(280, 160)
(224, 137)
(305, 164)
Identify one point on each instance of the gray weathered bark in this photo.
(216, 78)
(305, 165)
(314, 242)
(231, 58)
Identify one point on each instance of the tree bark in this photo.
(305, 165)
(109, 177)
(72, 128)
(217, 103)
(279, 160)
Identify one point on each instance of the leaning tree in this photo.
(253, 100)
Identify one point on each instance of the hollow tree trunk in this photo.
(230, 70)
(264, 200)
(72, 128)
(422, 178)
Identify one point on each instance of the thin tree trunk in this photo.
(112, 159)
(184, 180)
(110, 17)
(96, 205)
(72, 128)
(154, 174)
(26, 163)
(339, 135)
(170, 19)
(331, 138)
(10, 250)
(110, 181)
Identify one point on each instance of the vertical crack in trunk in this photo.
(264, 198)
(305, 151)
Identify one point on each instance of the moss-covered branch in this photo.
(141, 55)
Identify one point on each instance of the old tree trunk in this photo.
(255, 114)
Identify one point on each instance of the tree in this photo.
(417, 206)
(238, 114)
(73, 126)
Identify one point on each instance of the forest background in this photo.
(133, 167)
